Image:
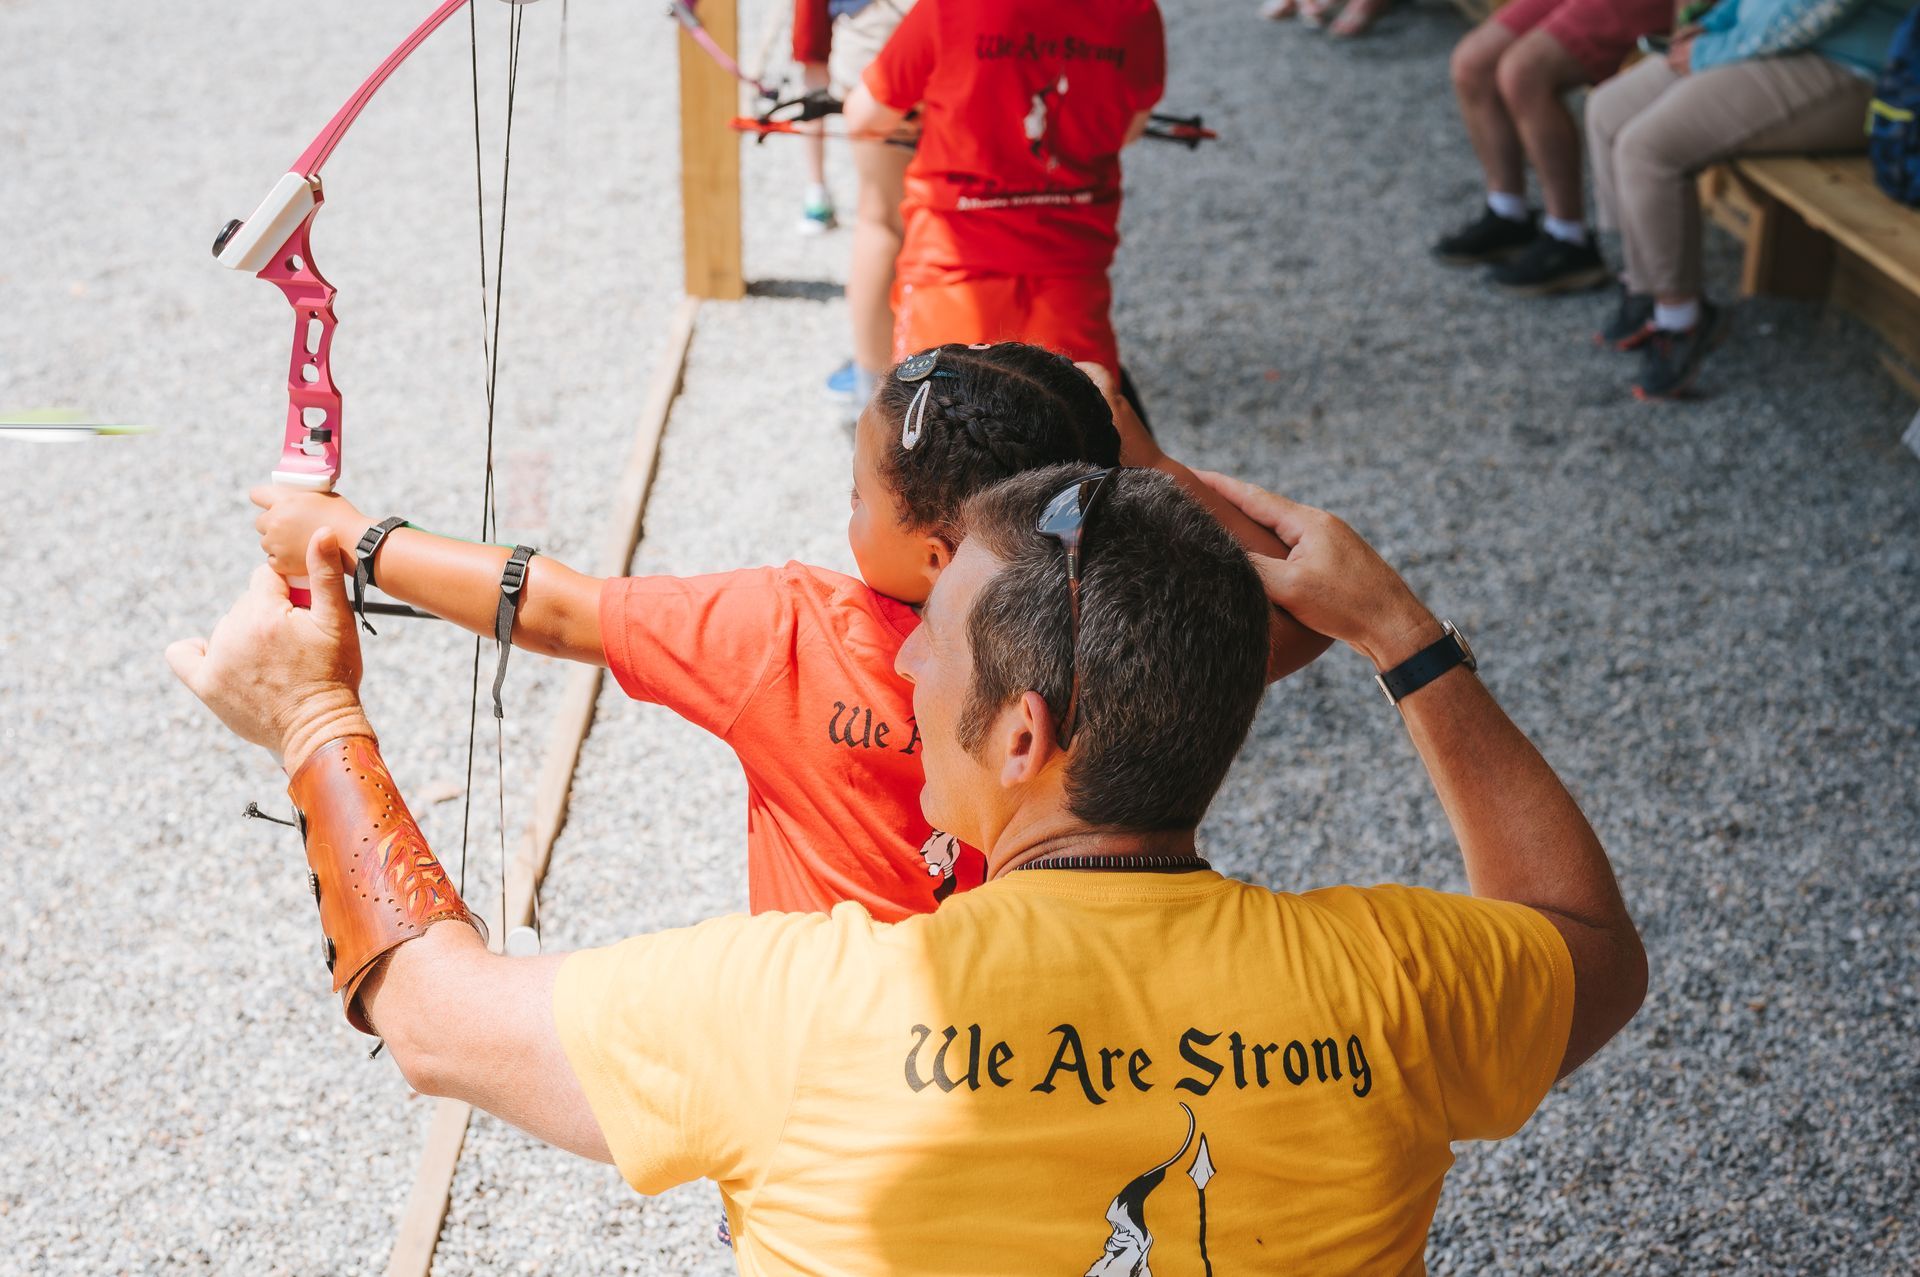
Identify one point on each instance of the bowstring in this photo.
(490, 352)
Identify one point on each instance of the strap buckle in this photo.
(513, 579)
(363, 553)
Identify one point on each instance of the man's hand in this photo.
(1332, 581)
(288, 519)
(280, 676)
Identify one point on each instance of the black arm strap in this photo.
(513, 579)
(363, 565)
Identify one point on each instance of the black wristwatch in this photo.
(1427, 664)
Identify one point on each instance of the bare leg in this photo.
(1534, 73)
(876, 243)
(1357, 17)
(814, 76)
(1496, 143)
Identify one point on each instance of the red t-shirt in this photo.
(793, 668)
(1024, 109)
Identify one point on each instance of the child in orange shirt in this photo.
(794, 666)
(1013, 197)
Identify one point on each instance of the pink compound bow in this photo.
(274, 244)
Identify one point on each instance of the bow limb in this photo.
(275, 244)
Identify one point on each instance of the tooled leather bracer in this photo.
(375, 879)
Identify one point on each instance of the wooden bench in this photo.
(1817, 228)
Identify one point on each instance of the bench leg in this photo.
(1785, 256)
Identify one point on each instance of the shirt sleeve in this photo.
(898, 77)
(698, 645)
(1147, 59)
(687, 1043)
(1494, 985)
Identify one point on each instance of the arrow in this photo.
(61, 425)
(1201, 1173)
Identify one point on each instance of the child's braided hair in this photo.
(991, 412)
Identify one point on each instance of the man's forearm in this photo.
(458, 1020)
(460, 581)
(1522, 836)
(376, 882)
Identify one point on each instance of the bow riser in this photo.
(310, 450)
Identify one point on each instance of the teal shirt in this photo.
(1855, 33)
(1860, 40)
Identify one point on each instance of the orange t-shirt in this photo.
(793, 668)
(1024, 108)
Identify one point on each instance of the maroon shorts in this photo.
(1598, 34)
(812, 31)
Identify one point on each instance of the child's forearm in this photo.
(1293, 645)
(460, 581)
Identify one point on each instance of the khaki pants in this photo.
(1650, 131)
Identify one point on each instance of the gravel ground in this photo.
(1704, 614)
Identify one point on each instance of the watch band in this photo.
(363, 564)
(1429, 663)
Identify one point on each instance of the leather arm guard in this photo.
(375, 879)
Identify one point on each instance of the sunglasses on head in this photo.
(1065, 520)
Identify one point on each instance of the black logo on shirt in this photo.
(855, 727)
(1207, 1060)
(1031, 47)
(1128, 1245)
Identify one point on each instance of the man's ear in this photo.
(1030, 741)
(935, 553)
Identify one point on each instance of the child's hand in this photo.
(1137, 447)
(288, 519)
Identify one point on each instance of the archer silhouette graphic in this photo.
(941, 851)
(1128, 1246)
(1037, 119)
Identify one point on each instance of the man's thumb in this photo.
(1277, 577)
(325, 580)
(185, 657)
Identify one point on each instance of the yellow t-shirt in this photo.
(1070, 1072)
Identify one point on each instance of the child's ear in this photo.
(936, 553)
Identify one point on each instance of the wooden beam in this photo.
(710, 161)
(426, 1208)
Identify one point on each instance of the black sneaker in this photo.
(1489, 239)
(1631, 325)
(1551, 265)
(1672, 359)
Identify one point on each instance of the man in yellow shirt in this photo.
(1108, 1058)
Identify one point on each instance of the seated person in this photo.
(1108, 1058)
(1511, 74)
(1755, 76)
(794, 666)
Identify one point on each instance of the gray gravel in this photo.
(1703, 614)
